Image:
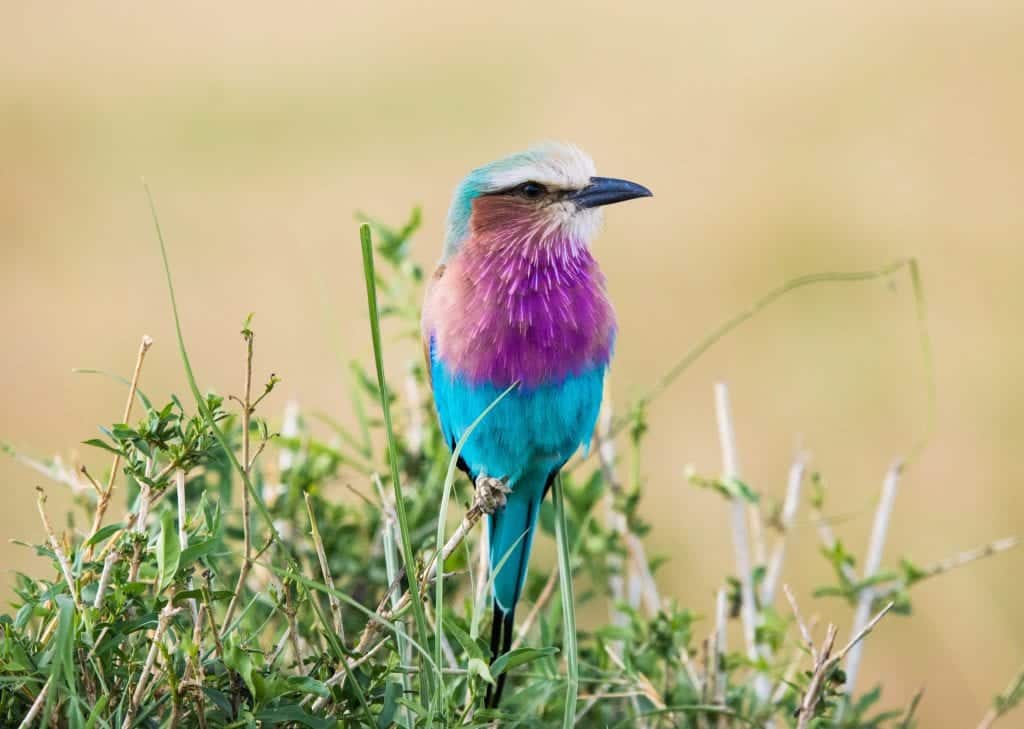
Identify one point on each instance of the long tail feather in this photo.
(511, 535)
(502, 627)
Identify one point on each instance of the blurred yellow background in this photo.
(779, 139)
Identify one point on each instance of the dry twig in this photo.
(62, 558)
(247, 409)
(104, 499)
(822, 659)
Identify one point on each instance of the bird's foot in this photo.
(491, 493)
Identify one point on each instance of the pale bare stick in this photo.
(740, 540)
(789, 507)
(33, 710)
(741, 544)
(101, 589)
(104, 498)
(872, 562)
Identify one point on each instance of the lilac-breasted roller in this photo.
(519, 299)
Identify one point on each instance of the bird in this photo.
(518, 309)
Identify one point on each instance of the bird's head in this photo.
(549, 191)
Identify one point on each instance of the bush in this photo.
(294, 609)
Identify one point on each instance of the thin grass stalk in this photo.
(391, 568)
(325, 568)
(408, 556)
(568, 606)
(799, 282)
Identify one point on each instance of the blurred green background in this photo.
(779, 139)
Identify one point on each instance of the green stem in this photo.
(572, 684)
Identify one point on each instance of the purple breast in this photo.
(533, 313)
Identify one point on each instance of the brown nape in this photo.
(498, 213)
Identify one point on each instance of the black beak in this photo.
(607, 190)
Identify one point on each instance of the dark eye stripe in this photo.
(529, 189)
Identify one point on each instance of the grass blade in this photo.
(572, 667)
(261, 506)
(408, 556)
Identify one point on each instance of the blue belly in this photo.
(530, 433)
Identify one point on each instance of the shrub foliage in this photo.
(248, 571)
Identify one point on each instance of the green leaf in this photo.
(196, 551)
(294, 713)
(477, 667)
(97, 443)
(737, 488)
(392, 692)
(238, 659)
(520, 656)
(308, 685)
(912, 573)
(64, 641)
(454, 630)
(97, 711)
(168, 551)
(103, 534)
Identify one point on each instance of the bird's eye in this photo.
(531, 190)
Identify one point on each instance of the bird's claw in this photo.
(491, 493)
